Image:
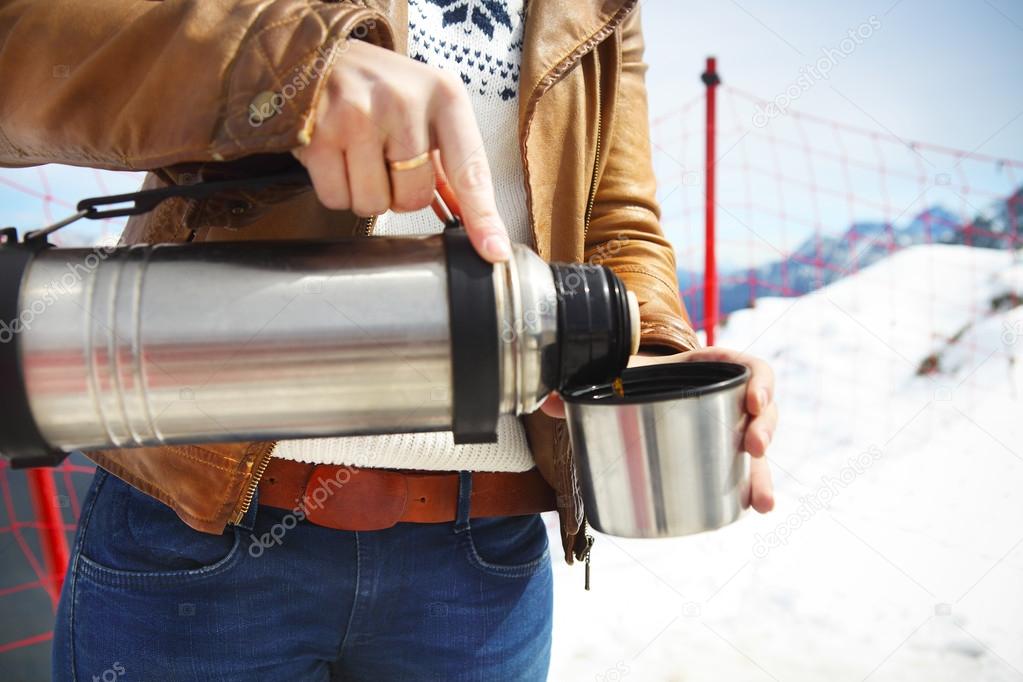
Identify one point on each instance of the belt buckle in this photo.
(350, 498)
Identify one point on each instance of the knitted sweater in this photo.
(481, 40)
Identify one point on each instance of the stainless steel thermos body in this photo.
(165, 344)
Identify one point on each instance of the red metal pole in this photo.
(51, 528)
(710, 272)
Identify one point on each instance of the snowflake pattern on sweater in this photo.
(482, 41)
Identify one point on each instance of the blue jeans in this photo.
(277, 598)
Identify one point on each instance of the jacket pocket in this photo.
(507, 546)
(134, 540)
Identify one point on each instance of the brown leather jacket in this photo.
(167, 88)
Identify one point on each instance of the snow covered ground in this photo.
(895, 551)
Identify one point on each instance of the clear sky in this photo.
(949, 71)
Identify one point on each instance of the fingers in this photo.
(409, 143)
(760, 431)
(759, 391)
(761, 486)
(330, 177)
(381, 107)
(368, 178)
(412, 188)
(644, 360)
(465, 161)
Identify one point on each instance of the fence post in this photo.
(710, 79)
(53, 540)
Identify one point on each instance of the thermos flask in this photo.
(201, 342)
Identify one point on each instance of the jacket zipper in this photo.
(547, 82)
(596, 167)
(259, 468)
(367, 225)
(586, 554)
(586, 227)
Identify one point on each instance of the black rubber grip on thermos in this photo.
(475, 360)
(20, 439)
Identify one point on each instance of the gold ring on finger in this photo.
(410, 164)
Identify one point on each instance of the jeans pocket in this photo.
(134, 540)
(507, 546)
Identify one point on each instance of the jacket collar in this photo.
(555, 29)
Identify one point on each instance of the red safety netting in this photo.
(28, 581)
(799, 183)
(802, 201)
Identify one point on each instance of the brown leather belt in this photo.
(352, 498)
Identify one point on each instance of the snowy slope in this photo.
(896, 548)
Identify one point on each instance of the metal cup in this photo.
(663, 457)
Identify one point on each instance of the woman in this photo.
(206, 562)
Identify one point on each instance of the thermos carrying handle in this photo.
(444, 204)
(146, 200)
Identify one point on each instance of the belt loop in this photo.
(464, 493)
(248, 521)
